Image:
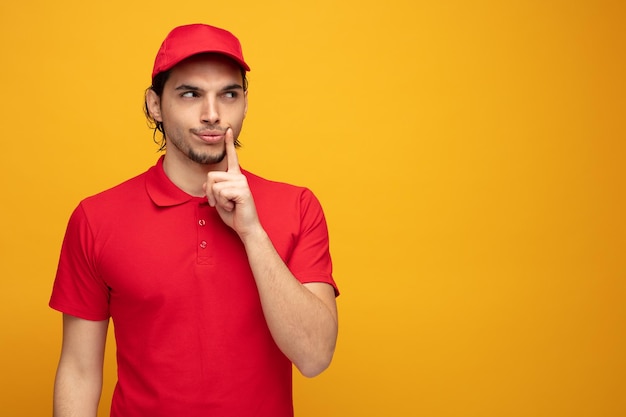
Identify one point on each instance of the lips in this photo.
(210, 136)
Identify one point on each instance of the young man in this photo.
(216, 280)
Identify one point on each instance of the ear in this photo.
(153, 101)
(245, 109)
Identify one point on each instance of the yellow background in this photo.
(469, 156)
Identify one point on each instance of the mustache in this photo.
(208, 128)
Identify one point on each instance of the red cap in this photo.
(185, 41)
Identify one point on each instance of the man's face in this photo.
(202, 97)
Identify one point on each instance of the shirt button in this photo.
(201, 222)
(203, 244)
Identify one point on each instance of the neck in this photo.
(187, 175)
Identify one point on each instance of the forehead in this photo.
(206, 68)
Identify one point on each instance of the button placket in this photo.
(204, 255)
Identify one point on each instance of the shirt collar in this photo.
(162, 191)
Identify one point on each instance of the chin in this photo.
(207, 158)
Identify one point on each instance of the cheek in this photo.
(173, 116)
(237, 126)
(235, 118)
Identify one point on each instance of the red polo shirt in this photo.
(190, 333)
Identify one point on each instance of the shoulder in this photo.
(276, 191)
(111, 210)
(118, 197)
(284, 205)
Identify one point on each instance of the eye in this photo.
(230, 94)
(189, 94)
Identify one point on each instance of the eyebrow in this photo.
(188, 87)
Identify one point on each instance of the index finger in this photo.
(231, 153)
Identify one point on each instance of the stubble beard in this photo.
(202, 158)
(205, 158)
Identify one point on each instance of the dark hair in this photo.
(158, 84)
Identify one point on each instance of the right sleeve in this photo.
(78, 289)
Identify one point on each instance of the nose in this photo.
(210, 112)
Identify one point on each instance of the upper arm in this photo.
(83, 343)
(78, 382)
(326, 293)
(310, 261)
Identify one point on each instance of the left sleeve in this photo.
(310, 260)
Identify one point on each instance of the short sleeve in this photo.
(311, 260)
(78, 290)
